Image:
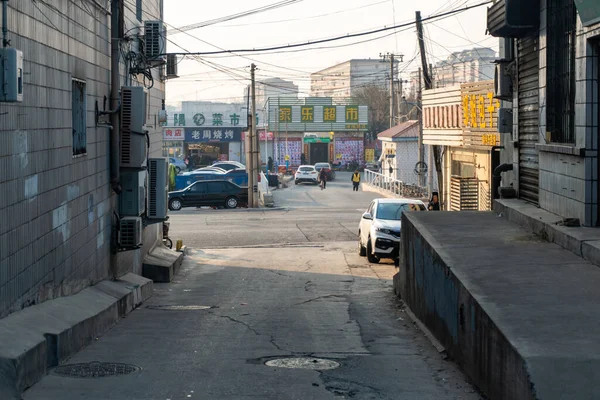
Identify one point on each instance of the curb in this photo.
(40, 337)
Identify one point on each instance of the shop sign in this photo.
(316, 140)
(589, 11)
(479, 110)
(196, 135)
(369, 155)
(262, 136)
(173, 134)
(307, 113)
(356, 126)
(229, 119)
(351, 114)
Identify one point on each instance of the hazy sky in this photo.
(301, 22)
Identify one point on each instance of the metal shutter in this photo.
(528, 87)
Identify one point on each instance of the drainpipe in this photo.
(4, 23)
(115, 86)
(497, 178)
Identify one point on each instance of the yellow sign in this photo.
(285, 114)
(489, 139)
(338, 156)
(356, 126)
(287, 158)
(369, 155)
(307, 113)
(479, 110)
(351, 113)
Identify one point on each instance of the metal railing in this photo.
(394, 186)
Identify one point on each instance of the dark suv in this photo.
(209, 193)
(328, 170)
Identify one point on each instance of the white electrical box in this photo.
(11, 75)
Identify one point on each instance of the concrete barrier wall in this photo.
(442, 301)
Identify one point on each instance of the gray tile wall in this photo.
(55, 209)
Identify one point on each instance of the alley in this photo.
(261, 286)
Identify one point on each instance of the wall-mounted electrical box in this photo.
(503, 83)
(505, 120)
(11, 75)
(158, 188)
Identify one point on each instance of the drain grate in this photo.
(95, 369)
(317, 364)
(178, 307)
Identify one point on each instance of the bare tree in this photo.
(378, 101)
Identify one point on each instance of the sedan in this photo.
(209, 193)
(228, 165)
(306, 173)
(328, 170)
(379, 228)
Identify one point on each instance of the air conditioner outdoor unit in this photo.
(134, 145)
(158, 188)
(132, 200)
(155, 36)
(130, 232)
(503, 84)
(172, 66)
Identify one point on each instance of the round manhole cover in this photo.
(303, 363)
(181, 308)
(95, 370)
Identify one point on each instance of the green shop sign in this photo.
(589, 11)
(316, 140)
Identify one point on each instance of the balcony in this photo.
(513, 18)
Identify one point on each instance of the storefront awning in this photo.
(589, 11)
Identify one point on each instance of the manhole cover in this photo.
(303, 363)
(182, 308)
(95, 370)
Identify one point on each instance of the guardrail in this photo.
(393, 186)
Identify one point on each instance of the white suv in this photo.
(379, 228)
(306, 173)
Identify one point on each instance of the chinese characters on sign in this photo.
(352, 114)
(307, 113)
(213, 135)
(173, 134)
(179, 119)
(285, 114)
(217, 119)
(479, 111)
(329, 114)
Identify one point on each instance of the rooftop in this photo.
(403, 129)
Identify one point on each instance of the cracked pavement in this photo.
(269, 302)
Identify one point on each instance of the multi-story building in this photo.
(57, 205)
(465, 66)
(343, 80)
(274, 87)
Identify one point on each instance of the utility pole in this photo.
(392, 58)
(249, 153)
(420, 149)
(255, 142)
(435, 149)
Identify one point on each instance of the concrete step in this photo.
(40, 337)
(161, 264)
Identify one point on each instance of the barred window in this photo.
(560, 98)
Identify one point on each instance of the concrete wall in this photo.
(437, 297)
(56, 209)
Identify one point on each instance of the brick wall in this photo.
(56, 208)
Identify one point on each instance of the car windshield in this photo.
(393, 211)
(306, 169)
(321, 165)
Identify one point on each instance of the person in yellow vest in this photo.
(355, 181)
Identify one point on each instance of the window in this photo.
(78, 107)
(215, 187)
(138, 9)
(560, 111)
(199, 188)
(393, 211)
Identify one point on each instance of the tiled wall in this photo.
(56, 209)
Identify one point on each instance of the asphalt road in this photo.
(289, 285)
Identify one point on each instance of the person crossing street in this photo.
(323, 178)
(355, 181)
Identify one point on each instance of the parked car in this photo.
(380, 226)
(209, 193)
(179, 164)
(228, 165)
(185, 179)
(328, 170)
(306, 173)
(214, 169)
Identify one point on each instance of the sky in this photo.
(222, 78)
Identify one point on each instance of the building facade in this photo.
(465, 66)
(57, 228)
(551, 59)
(345, 79)
(274, 87)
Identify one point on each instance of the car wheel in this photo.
(175, 204)
(370, 256)
(231, 202)
(362, 251)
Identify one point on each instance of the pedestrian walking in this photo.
(355, 181)
(434, 203)
(323, 178)
(270, 164)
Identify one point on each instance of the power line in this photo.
(347, 36)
